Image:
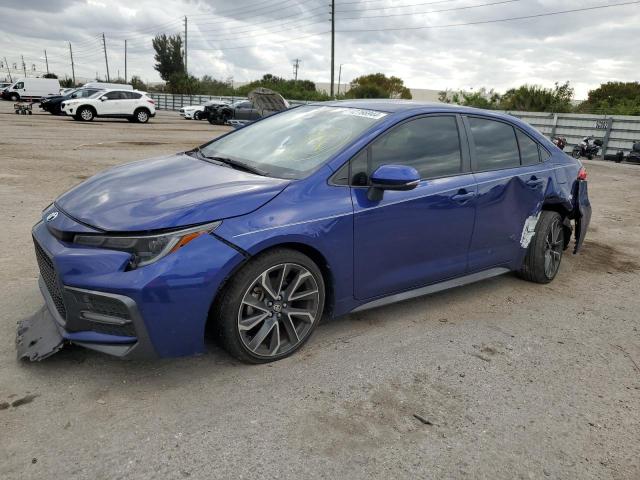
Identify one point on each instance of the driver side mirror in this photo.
(392, 177)
(102, 99)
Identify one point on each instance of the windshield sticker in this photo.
(358, 112)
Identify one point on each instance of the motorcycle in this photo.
(589, 148)
(634, 154)
(559, 142)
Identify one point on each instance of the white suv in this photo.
(133, 105)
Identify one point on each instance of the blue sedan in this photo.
(320, 210)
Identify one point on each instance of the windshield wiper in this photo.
(234, 164)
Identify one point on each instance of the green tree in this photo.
(534, 98)
(482, 98)
(49, 75)
(137, 83)
(378, 85)
(168, 56)
(614, 98)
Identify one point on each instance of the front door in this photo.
(413, 238)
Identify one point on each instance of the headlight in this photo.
(146, 249)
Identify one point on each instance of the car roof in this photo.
(396, 106)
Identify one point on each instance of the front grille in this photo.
(50, 278)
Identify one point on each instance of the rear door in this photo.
(413, 238)
(511, 189)
(113, 104)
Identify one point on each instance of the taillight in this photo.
(151, 101)
(582, 174)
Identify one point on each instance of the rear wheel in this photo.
(197, 115)
(269, 309)
(141, 115)
(544, 254)
(85, 114)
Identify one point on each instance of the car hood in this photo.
(166, 192)
(267, 101)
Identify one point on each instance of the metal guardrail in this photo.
(618, 132)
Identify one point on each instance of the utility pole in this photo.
(333, 39)
(106, 61)
(339, 77)
(125, 61)
(296, 65)
(73, 68)
(8, 69)
(46, 60)
(186, 71)
(24, 67)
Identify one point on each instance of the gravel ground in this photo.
(511, 379)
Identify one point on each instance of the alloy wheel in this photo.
(142, 116)
(278, 310)
(553, 249)
(86, 114)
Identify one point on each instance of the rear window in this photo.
(495, 144)
(528, 149)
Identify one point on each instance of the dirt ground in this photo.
(511, 379)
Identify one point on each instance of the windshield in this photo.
(295, 142)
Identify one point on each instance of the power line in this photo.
(483, 22)
(467, 7)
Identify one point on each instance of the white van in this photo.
(107, 86)
(31, 89)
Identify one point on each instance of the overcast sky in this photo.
(244, 39)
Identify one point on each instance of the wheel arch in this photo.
(86, 105)
(565, 213)
(313, 253)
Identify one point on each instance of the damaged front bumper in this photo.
(46, 332)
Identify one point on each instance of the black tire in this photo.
(228, 310)
(549, 233)
(14, 97)
(575, 153)
(85, 114)
(589, 157)
(141, 115)
(197, 115)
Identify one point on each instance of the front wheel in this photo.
(14, 97)
(575, 153)
(269, 309)
(544, 254)
(85, 114)
(197, 115)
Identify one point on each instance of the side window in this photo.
(360, 169)
(133, 95)
(112, 95)
(19, 85)
(431, 145)
(544, 154)
(495, 144)
(528, 149)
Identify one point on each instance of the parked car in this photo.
(260, 103)
(196, 112)
(324, 209)
(634, 155)
(133, 105)
(31, 89)
(4, 85)
(53, 103)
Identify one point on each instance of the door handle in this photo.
(463, 197)
(534, 182)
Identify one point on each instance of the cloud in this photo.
(235, 39)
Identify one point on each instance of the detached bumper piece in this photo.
(38, 337)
